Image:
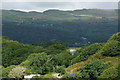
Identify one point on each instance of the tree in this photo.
(86, 51)
(109, 73)
(63, 58)
(13, 52)
(55, 49)
(60, 69)
(5, 71)
(91, 49)
(112, 47)
(115, 37)
(92, 69)
(41, 63)
(17, 72)
(1, 68)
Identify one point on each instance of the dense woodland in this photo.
(78, 26)
(40, 43)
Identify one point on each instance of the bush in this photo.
(5, 71)
(91, 49)
(60, 69)
(78, 58)
(17, 72)
(111, 48)
(55, 49)
(109, 73)
(63, 58)
(115, 37)
(92, 70)
(86, 51)
(13, 52)
(41, 63)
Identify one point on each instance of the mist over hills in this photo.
(78, 26)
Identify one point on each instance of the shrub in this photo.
(5, 71)
(60, 69)
(41, 63)
(92, 70)
(109, 73)
(111, 48)
(17, 72)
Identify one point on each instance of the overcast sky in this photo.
(25, 5)
(60, 0)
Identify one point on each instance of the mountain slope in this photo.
(108, 55)
(67, 26)
(102, 61)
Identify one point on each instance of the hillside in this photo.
(95, 61)
(78, 26)
(108, 55)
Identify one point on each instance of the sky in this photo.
(60, 0)
(40, 6)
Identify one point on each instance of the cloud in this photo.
(50, 4)
(42, 6)
(60, 0)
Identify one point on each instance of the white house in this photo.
(72, 51)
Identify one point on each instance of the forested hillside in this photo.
(78, 44)
(78, 26)
(95, 61)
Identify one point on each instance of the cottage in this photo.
(72, 51)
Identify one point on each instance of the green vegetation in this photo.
(41, 63)
(112, 47)
(17, 72)
(97, 25)
(60, 69)
(98, 60)
(92, 70)
(40, 43)
(14, 52)
(5, 71)
(109, 73)
(86, 51)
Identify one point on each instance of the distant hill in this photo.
(79, 26)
